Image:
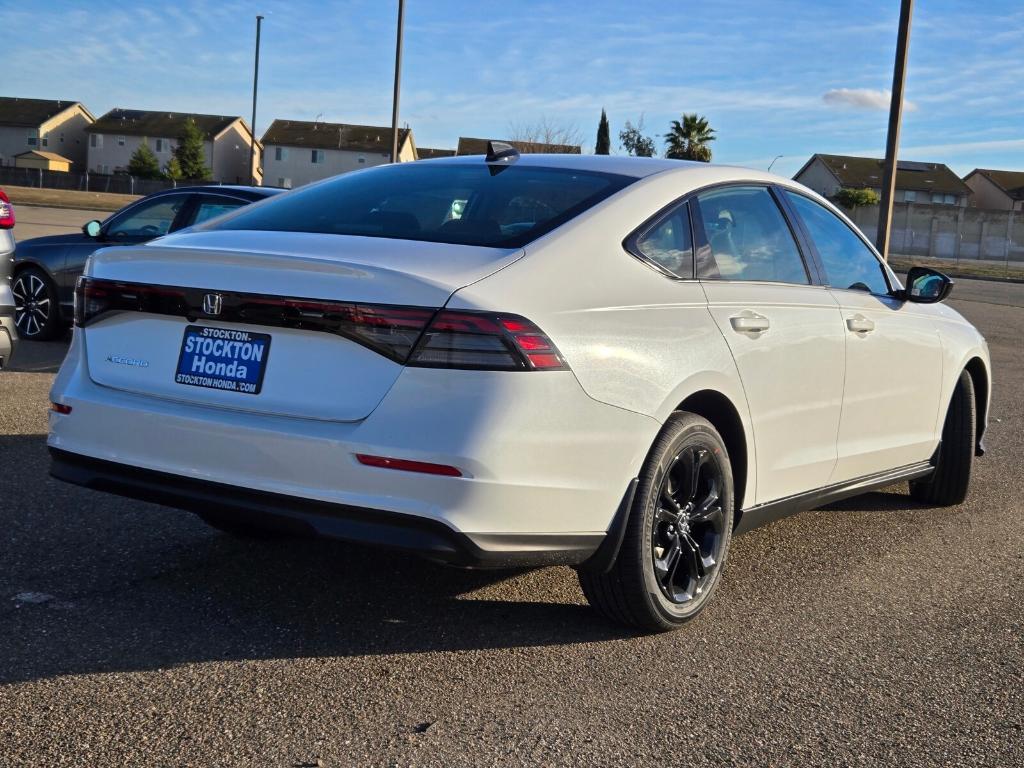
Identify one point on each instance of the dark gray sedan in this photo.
(46, 268)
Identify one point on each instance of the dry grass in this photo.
(68, 198)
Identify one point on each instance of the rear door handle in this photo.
(860, 324)
(749, 322)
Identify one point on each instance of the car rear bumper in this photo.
(289, 514)
(543, 465)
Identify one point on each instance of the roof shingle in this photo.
(470, 146)
(30, 112)
(1011, 182)
(862, 172)
(320, 135)
(138, 122)
(427, 153)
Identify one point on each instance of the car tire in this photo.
(681, 520)
(36, 306)
(949, 483)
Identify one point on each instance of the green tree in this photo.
(173, 170)
(604, 139)
(634, 141)
(856, 198)
(688, 139)
(143, 163)
(190, 153)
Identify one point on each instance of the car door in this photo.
(893, 351)
(784, 330)
(210, 206)
(144, 220)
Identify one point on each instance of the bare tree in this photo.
(545, 137)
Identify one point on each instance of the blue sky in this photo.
(791, 77)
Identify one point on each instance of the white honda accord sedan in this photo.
(613, 363)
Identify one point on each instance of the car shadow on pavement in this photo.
(97, 583)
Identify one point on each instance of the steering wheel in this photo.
(150, 229)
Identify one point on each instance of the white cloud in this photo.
(862, 98)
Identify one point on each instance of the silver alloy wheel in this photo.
(31, 305)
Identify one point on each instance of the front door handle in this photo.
(749, 322)
(860, 324)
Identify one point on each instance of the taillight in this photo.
(6, 212)
(483, 341)
(97, 297)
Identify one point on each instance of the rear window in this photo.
(506, 207)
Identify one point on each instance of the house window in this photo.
(159, 145)
(909, 196)
(362, 160)
(950, 200)
(46, 141)
(62, 137)
(318, 156)
(281, 154)
(96, 140)
(32, 140)
(120, 141)
(283, 182)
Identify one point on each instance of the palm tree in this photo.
(688, 140)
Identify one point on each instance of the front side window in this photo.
(848, 262)
(749, 238)
(148, 220)
(470, 203)
(669, 243)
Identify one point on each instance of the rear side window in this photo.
(503, 207)
(749, 238)
(669, 243)
(848, 262)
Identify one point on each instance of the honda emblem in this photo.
(213, 303)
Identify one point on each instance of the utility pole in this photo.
(892, 142)
(255, 83)
(398, 80)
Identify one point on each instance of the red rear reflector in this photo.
(60, 408)
(6, 212)
(407, 465)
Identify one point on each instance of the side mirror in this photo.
(926, 286)
(92, 228)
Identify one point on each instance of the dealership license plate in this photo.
(223, 358)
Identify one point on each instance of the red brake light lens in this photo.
(482, 341)
(6, 211)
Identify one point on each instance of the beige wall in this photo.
(113, 156)
(298, 168)
(231, 155)
(64, 134)
(988, 195)
(30, 161)
(819, 178)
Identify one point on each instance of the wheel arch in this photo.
(725, 417)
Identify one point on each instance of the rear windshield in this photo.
(506, 207)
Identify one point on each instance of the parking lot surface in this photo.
(39, 221)
(873, 632)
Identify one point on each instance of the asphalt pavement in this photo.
(38, 221)
(873, 632)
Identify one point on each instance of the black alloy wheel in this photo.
(687, 535)
(677, 535)
(36, 314)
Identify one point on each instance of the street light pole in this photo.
(398, 80)
(892, 142)
(255, 83)
(773, 162)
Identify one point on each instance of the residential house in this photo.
(996, 190)
(42, 160)
(227, 141)
(470, 146)
(426, 153)
(915, 182)
(43, 124)
(297, 152)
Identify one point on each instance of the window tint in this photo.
(749, 238)
(211, 207)
(149, 219)
(468, 203)
(848, 262)
(670, 243)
